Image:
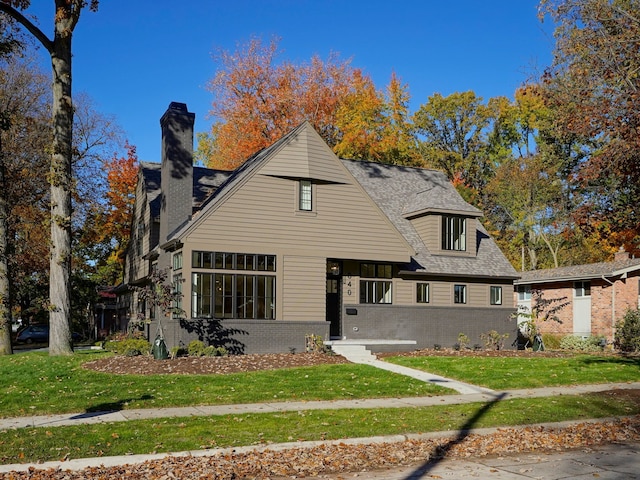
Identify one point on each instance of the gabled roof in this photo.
(205, 182)
(580, 272)
(403, 192)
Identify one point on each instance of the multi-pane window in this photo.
(495, 295)
(524, 292)
(177, 296)
(459, 294)
(233, 261)
(454, 236)
(375, 283)
(422, 293)
(582, 289)
(177, 261)
(232, 294)
(305, 195)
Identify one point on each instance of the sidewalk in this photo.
(237, 409)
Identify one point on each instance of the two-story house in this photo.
(297, 241)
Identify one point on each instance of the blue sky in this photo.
(134, 57)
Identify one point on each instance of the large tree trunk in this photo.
(5, 313)
(61, 179)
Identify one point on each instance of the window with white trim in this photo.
(524, 292)
(305, 196)
(582, 289)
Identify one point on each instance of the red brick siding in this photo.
(602, 322)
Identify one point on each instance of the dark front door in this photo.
(334, 286)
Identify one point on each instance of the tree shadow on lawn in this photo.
(622, 359)
(441, 451)
(111, 407)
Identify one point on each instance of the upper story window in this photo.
(582, 289)
(177, 261)
(233, 261)
(305, 198)
(454, 234)
(375, 283)
(495, 296)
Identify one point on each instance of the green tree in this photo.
(65, 18)
(452, 133)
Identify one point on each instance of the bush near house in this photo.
(627, 337)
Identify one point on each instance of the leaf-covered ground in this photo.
(338, 459)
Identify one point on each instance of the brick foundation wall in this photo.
(427, 325)
(241, 336)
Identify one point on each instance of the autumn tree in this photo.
(594, 87)
(111, 223)
(257, 100)
(65, 18)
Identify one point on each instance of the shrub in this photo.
(176, 352)
(493, 340)
(463, 342)
(197, 348)
(580, 344)
(551, 341)
(129, 347)
(627, 337)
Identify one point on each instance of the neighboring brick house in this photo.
(297, 241)
(598, 295)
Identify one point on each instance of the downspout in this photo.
(613, 305)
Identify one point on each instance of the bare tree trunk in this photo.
(60, 264)
(5, 313)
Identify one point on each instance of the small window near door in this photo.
(305, 196)
(422, 293)
(582, 289)
(524, 292)
(496, 295)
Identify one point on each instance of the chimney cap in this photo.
(178, 106)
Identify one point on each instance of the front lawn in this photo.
(37, 384)
(508, 373)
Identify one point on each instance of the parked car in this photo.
(39, 334)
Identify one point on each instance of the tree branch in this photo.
(26, 23)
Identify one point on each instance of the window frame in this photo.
(305, 195)
(582, 289)
(454, 233)
(458, 290)
(423, 292)
(493, 300)
(524, 293)
(376, 283)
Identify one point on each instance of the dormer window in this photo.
(454, 233)
(305, 196)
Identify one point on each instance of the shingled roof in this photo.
(205, 182)
(403, 192)
(580, 272)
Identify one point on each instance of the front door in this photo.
(334, 286)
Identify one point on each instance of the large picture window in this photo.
(375, 283)
(454, 236)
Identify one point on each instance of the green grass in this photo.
(37, 384)
(178, 434)
(500, 373)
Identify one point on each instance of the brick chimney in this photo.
(177, 168)
(621, 255)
